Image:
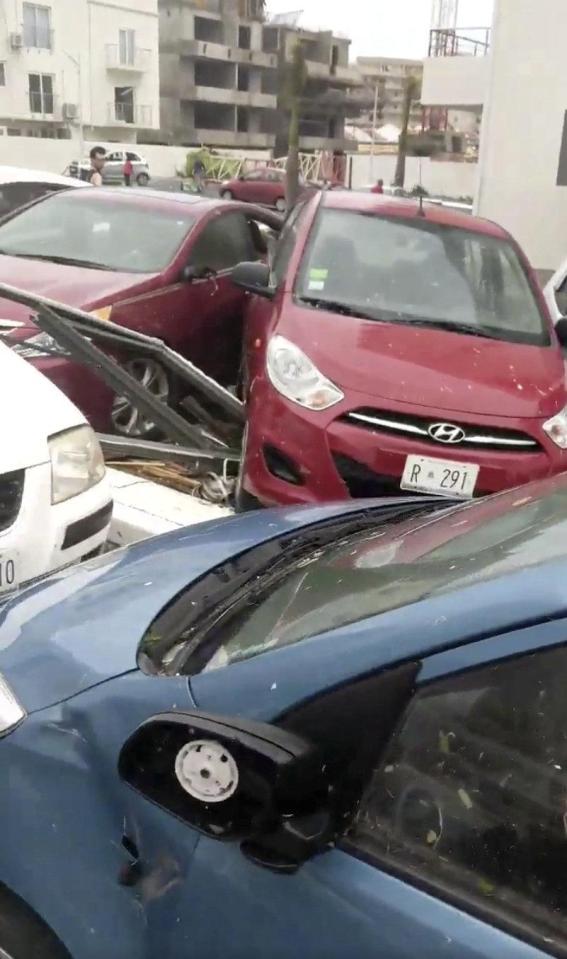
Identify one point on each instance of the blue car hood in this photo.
(83, 626)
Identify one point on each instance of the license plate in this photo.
(423, 474)
(8, 571)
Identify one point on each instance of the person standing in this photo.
(378, 187)
(199, 174)
(98, 159)
(128, 170)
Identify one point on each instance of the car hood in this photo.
(33, 409)
(83, 626)
(431, 368)
(72, 285)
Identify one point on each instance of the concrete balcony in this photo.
(123, 114)
(316, 70)
(348, 76)
(203, 50)
(233, 140)
(235, 98)
(325, 143)
(133, 61)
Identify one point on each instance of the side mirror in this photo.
(254, 278)
(234, 778)
(561, 331)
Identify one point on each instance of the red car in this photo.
(157, 263)
(393, 348)
(264, 186)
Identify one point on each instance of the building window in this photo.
(41, 93)
(127, 47)
(37, 26)
(2, 74)
(124, 104)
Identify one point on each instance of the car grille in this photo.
(362, 482)
(474, 437)
(11, 490)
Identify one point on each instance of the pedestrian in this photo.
(378, 187)
(98, 159)
(128, 170)
(199, 174)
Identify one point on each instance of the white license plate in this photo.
(9, 563)
(424, 474)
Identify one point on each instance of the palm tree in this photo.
(411, 93)
(294, 86)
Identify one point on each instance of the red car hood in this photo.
(72, 285)
(431, 368)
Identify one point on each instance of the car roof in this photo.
(158, 199)
(389, 206)
(15, 174)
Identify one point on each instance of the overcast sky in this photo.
(394, 28)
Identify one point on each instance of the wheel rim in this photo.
(126, 419)
(280, 205)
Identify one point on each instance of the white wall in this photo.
(81, 31)
(521, 133)
(455, 81)
(438, 177)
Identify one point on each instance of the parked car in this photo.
(281, 728)
(55, 500)
(263, 185)
(155, 262)
(113, 171)
(19, 186)
(391, 348)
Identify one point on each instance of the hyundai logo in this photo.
(446, 433)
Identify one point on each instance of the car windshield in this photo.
(417, 271)
(105, 231)
(369, 573)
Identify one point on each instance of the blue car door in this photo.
(455, 844)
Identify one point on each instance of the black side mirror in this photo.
(234, 778)
(254, 278)
(561, 331)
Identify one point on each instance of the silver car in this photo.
(114, 168)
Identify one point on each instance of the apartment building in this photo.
(221, 70)
(384, 80)
(79, 68)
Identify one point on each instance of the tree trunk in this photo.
(409, 96)
(292, 165)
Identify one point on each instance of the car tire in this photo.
(142, 179)
(152, 374)
(227, 195)
(281, 205)
(23, 935)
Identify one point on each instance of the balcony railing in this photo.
(129, 114)
(137, 60)
(464, 42)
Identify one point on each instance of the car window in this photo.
(421, 272)
(285, 245)
(114, 157)
(105, 230)
(13, 195)
(255, 175)
(561, 297)
(471, 794)
(224, 242)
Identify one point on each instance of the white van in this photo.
(55, 499)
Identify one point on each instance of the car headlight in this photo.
(11, 713)
(42, 344)
(293, 375)
(77, 462)
(556, 429)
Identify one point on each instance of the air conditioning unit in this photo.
(16, 41)
(70, 111)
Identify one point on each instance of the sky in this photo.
(389, 28)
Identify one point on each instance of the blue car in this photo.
(322, 733)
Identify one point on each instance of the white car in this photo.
(19, 186)
(556, 293)
(55, 498)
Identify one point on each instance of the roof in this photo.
(383, 205)
(16, 174)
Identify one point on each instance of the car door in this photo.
(114, 167)
(454, 847)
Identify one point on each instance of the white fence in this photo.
(439, 177)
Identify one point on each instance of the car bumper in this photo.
(45, 537)
(295, 456)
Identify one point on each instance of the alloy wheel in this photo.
(126, 419)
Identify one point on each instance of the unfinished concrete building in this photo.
(221, 70)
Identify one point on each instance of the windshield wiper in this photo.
(64, 260)
(453, 327)
(335, 306)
